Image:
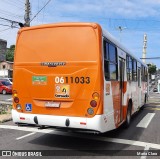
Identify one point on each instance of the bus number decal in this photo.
(77, 80)
(59, 80)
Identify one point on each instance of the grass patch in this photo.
(5, 109)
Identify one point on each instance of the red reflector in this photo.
(22, 118)
(16, 100)
(93, 103)
(82, 123)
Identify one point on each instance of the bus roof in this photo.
(60, 25)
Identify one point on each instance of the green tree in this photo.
(10, 53)
(152, 69)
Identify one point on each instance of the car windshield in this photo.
(6, 83)
(10, 79)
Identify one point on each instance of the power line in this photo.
(14, 4)
(43, 15)
(20, 1)
(10, 13)
(5, 25)
(40, 10)
(10, 21)
(5, 29)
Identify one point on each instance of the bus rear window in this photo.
(57, 44)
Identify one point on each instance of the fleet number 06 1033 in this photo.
(77, 80)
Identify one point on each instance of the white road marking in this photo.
(146, 120)
(9, 99)
(84, 136)
(145, 150)
(25, 136)
(24, 128)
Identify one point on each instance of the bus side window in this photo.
(113, 62)
(106, 61)
(146, 74)
(141, 72)
(129, 68)
(110, 61)
(134, 73)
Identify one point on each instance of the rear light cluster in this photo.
(93, 103)
(16, 100)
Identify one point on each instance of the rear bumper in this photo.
(97, 123)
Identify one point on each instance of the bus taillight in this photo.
(18, 107)
(95, 95)
(93, 103)
(16, 100)
(14, 93)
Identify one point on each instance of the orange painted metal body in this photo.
(79, 46)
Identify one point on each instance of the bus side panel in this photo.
(109, 106)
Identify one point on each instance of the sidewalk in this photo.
(7, 116)
(154, 100)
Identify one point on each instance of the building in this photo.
(6, 69)
(3, 49)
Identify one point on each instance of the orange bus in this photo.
(75, 75)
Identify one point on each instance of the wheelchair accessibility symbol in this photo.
(29, 107)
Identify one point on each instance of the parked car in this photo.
(7, 79)
(153, 83)
(155, 90)
(5, 87)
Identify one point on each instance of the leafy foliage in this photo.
(10, 53)
(152, 69)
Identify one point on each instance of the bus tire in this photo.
(128, 116)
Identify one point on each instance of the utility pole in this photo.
(144, 52)
(27, 13)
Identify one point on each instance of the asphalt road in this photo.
(142, 135)
(7, 97)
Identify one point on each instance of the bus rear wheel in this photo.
(128, 116)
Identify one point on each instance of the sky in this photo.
(134, 16)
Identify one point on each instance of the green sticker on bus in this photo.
(39, 80)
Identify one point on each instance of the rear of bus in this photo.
(58, 76)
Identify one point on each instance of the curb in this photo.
(5, 120)
(5, 102)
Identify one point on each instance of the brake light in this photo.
(93, 103)
(16, 100)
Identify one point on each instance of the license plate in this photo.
(52, 104)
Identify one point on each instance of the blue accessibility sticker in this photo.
(28, 107)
